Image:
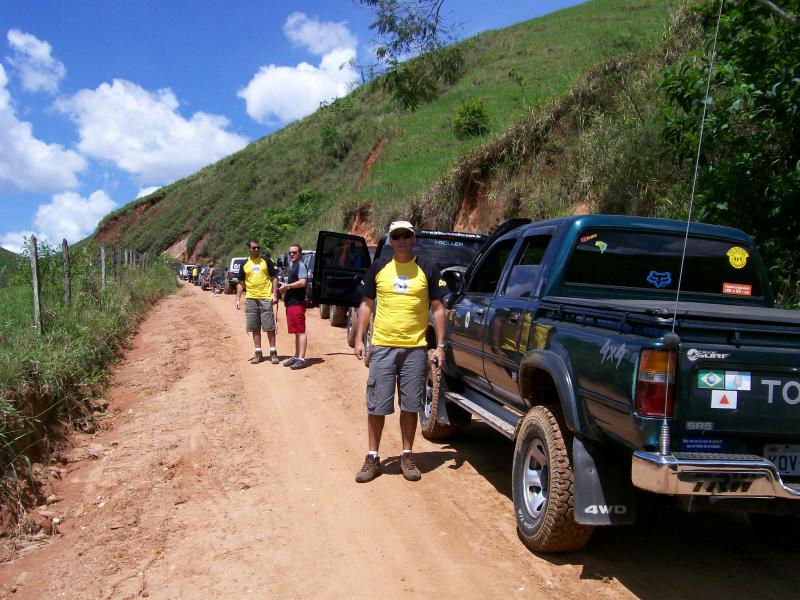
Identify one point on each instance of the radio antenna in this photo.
(671, 340)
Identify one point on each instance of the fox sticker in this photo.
(659, 280)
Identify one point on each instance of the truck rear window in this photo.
(651, 261)
(443, 252)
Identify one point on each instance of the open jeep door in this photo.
(340, 263)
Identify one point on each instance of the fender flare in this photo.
(554, 366)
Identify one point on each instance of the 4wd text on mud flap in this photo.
(606, 509)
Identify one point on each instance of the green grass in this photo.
(218, 204)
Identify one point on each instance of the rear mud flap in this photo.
(604, 493)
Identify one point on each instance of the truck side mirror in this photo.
(454, 280)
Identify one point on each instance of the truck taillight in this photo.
(655, 386)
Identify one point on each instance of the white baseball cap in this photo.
(397, 225)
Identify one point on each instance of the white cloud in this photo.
(319, 37)
(146, 191)
(13, 240)
(280, 94)
(34, 63)
(71, 216)
(143, 133)
(27, 163)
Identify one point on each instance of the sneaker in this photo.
(257, 358)
(290, 361)
(299, 363)
(273, 357)
(410, 470)
(370, 470)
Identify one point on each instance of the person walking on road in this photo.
(294, 299)
(405, 287)
(260, 281)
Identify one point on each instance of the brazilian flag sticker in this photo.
(711, 380)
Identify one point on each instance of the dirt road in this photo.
(221, 479)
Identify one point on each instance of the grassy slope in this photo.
(550, 53)
(8, 265)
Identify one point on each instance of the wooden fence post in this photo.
(102, 267)
(37, 313)
(65, 250)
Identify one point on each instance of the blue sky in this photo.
(105, 100)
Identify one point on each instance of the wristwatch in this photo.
(440, 346)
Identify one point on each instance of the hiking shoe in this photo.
(273, 357)
(299, 363)
(290, 361)
(410, 470)
(257, 358)
(370, 470)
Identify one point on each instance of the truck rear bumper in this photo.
(710, 474)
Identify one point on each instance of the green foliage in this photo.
(278, 221)
(471, 119)
(337, 131)
(519, 81)
(750, 163)
(415, 82)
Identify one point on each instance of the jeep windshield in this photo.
(444, 250)
(647, 264)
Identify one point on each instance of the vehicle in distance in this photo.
(565, 336)
(232, 274)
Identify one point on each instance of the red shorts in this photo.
(296, 318)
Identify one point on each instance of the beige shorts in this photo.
(259, 313)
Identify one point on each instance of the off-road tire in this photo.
(338, 316)
(351, 328)
(324, 311)
(554, 529)
(435, 386)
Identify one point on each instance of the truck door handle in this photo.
(513, 317)
(480, 311)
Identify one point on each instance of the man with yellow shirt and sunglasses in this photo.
(259, 278)
(402, 288)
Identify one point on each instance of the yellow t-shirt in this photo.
(403, 293)
(257, 279)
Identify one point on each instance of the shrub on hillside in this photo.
(471, 119)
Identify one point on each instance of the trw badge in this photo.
(723, 399)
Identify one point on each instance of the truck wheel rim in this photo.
(427, 407)
(534, 478)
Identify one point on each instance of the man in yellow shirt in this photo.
(405, 288)
(259, 278)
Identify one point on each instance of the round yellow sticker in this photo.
(737, 257)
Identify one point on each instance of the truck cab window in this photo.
(525, 269)
(488, 274)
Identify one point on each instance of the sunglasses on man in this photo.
(402, 235)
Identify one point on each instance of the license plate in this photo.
(785, 457)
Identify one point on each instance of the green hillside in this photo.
(9, 264)
(363, 157)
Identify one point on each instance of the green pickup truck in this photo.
(571, 337)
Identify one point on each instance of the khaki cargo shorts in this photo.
(259, 313)
(393, 368)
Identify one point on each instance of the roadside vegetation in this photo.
(9, 265)
(50, 382)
